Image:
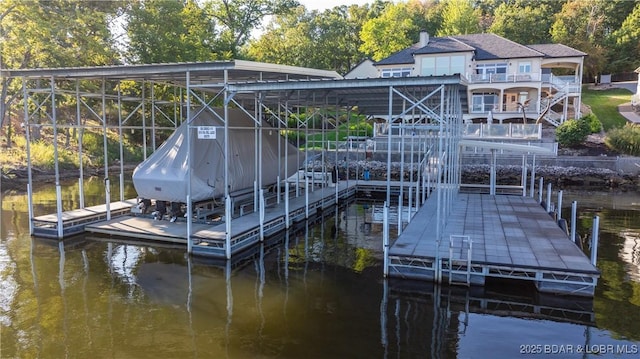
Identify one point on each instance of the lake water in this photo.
(316, 292)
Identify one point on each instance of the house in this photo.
(505, 80)
(363, 70)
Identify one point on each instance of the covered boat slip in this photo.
(485, 236)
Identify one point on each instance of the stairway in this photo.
(460, 248)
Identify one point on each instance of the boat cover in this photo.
(163, 175)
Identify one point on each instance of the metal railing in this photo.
(502, 131)
(497, 78)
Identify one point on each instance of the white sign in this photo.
(207, 132)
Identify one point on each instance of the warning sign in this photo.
(207, 132)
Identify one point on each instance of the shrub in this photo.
(625, 140)
(572, 132)
(595, 125)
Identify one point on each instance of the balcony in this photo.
(503, 78)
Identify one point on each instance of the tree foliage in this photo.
(626, 43)
(388, 33)
(509, 20)
(460, 17)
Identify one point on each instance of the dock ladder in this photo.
(460, 259)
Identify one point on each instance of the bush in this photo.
(625, 140)
(594, 123)
(572, 132)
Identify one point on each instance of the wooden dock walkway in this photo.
(510, 237)
(73, 222)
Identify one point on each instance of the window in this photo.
(524, 67)
(484, 102)
(442, 65)
(396, 72)
(494, 71)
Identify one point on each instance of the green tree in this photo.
(169, 31)
(459, 17)
(53, 33)
(235, 19)
(626, 43)
(523, 22)
(392, 31)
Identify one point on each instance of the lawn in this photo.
(604, 103)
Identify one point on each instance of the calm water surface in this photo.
(316, 292)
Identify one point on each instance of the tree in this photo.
(326, 40)
(459, 17)
(53, 33)
(169, 31)
(392, 31)
(523, 22)
(235, 19)
(626, 43)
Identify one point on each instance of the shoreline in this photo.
(560, 176)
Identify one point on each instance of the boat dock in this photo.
(485, 236)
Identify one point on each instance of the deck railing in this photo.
(502, 131)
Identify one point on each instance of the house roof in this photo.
(401, 57)
(493, 47)
(485, 47)
(557, 50)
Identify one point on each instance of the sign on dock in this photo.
(206, 132)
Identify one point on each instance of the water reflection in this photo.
(316, 291)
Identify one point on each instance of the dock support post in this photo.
(287, 220)
(548, 197)
(278, 188)
(30, 207)
(227, 225)
(540, 187)
(533, 177)
(400, 213)
(59, 210)
(189, 243)
(524, 175)
(574, 213)
(256, 200)
(492, 175)
(107, 189)
(594, 239)
(81, 191)
(261, 214)
(385, 238)
(559, 209)
(306, 197)
(410, 206)
(121, 186)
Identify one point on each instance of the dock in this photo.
(208, 239)
(485, 236)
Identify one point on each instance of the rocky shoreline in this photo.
(560, 177)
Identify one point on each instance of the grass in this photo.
(604, 103)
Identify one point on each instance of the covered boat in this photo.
(163, 175)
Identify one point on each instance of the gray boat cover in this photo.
(163, 175)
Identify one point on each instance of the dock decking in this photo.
(511, 237)
(209, 239)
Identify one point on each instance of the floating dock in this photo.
(485, 236)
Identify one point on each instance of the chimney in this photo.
(424, 38)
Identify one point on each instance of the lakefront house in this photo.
(506, 81)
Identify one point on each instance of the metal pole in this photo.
(262, 209)
(594, 239)
(540, 187)
(524, 175)
(548, 197)
(227, 198)
(389, 145)
(533, 176)
(55, 159)
(492, 174)
(574, 212)
(107, 191)
(286, 204)
(385, 237)
(189, 242)
(306, 197)
(227, 225)
(27, 129)
(80, 136)
(559, 210)
(400, 213)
